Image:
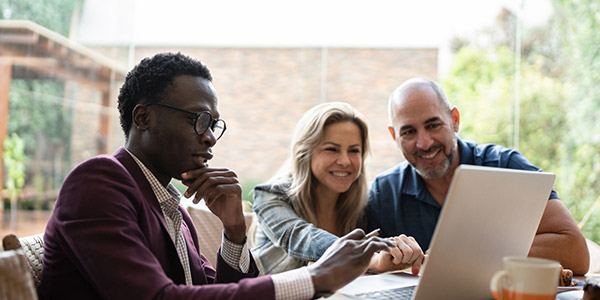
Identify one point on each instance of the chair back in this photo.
(209, 229)
(15, 279)
(594, 257)
(33, 249)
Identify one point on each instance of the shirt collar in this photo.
(466, 153)
(162, 193)
(415, 186)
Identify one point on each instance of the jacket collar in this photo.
(129, 163)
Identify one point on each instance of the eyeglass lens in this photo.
(205, 121)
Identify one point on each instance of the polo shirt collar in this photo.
(415, 186)
(466, 152)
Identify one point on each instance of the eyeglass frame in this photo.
(211, 124)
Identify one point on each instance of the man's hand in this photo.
(407, 253)
(222, 192)
(345, 260)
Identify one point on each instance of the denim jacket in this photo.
(283, 240)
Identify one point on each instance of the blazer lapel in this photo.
(200, 273)
(134, 169)
(129, 163)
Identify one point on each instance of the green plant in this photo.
(14, 162)
(247, 187)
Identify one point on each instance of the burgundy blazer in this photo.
(107, 239)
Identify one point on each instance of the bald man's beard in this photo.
(439, 170)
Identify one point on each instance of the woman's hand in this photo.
(407, 253)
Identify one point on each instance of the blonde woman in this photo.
(319, 194)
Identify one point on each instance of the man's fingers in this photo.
(368, 244)
(355, 234)
(197, 199)
(222, 191)
(192, 174)
(210, 201)
(375, 244)
(208, 182)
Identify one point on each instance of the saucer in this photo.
(577, 286)
(570, 295)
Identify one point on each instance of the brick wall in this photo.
(264, 91)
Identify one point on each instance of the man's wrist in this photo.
(235, 255)
(236, 234)
(316, 280)
(293, 284)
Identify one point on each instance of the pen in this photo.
(372, 233)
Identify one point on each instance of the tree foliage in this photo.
(38, 113)
(41, 117)
(14, 161)
(578, 27)
(559, 90)
(52, 14)
(481, 83)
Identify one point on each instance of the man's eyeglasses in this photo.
(203, 121)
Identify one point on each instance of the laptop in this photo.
(488, 213)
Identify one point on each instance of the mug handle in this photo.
(497, 283)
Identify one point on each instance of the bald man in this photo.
(408, 198)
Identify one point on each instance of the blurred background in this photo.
(524, 74)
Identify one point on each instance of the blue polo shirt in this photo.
(399, 202)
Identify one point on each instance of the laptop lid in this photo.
(488, 213)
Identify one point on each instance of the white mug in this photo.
(526, 278)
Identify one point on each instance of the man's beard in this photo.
(437, 171)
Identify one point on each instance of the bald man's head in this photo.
(416, 85)
(424, 127)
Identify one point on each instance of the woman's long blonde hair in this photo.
(307, 135)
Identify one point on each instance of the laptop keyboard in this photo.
(398, 293)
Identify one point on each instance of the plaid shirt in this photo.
(168, 198)
(294, 284)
